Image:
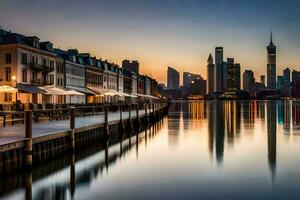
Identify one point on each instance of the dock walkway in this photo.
(16, 132)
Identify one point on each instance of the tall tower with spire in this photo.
(210, 74)
(271, 65)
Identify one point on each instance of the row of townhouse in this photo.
(28, 64)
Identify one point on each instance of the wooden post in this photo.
(146, 113)
(138, 122)
(121, 124)
(28, 141)
(129, 117)
(106, 127)
(72, 127)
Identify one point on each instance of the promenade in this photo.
(16, 132)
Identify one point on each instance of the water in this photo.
(203, 149)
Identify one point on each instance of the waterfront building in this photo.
(147, 85)
(218, 71)
(188, 78)
(287, 87)
(93, 77)
(263, 80)
(154, 84)
(131, 65)
(271, 66)
(224, 78)
(198, 87)
(210, 74)
(73, 71)
(280, 84)
(173, 78)
(234, 75)
(140, 84)
(60, 78)
(26, 63)
(120, 80)
(110, 79)
(295, 87)
(248, 81)
(127, 77)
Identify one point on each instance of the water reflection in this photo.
(205, 149)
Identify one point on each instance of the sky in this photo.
(161, 33)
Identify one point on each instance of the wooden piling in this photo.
(72, 127)
(28, 141)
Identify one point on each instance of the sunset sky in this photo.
(161, 33)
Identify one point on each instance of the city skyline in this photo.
(156, 35)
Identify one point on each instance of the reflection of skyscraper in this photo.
(271, 127)
(174, 123)
(219, 130)
(218, 72)
(210, 74)
(271, 66)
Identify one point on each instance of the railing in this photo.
(36, 66)
(55, 114)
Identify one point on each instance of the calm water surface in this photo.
(202, 150)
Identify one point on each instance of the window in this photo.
(51, 79)
(8, 58)
(7, 74)
(24, 58)
(24, 75)
(7, 97)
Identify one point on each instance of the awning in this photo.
(74, 92)
(82, 90)
(106, 92)
(53, 90)
(30, 88)
(7, 88)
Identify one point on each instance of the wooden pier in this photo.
(22, 146)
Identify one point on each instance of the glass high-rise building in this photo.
(173, 78)
(271, 66)
(218, 72)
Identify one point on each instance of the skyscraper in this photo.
(173, 78)
(218, 72)
(210, 74)
(233, 75)
(248, 81)
(271, 66)
(287, 87)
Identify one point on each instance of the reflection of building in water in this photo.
(296, 113)
(192, 110)
(280, 109)
(287, 114)
(271, 127)
(248, 113)
(174, 122)
(284, 114)
(232, 120)
(219, 131)
(210, 106)
(260, 108)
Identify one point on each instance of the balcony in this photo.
(35, 81)
(35, 67)
(48, 68)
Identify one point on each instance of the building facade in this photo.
(210, 74)
(26, 63)
(271, 66)
(249, 81)
(173, 79)
(133, 66)
(233, 75)
(218, 72)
